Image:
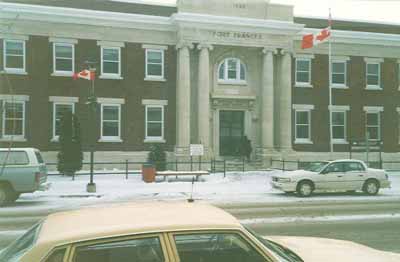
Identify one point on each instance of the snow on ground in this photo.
(236, 187)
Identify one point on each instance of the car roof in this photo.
(18, 149)
(346, 160)
(132, 218)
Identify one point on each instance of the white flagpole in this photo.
(330, 87)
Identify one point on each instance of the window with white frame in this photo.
(59, 109)
(13, 119)
(111, 61)
(14, 55)
(63, 58)
(373, 75)
(373, 125)
(339, 72)
(339, 126)
(154, 63)
(303, 125)
(154, 122)
(110, 122)
(303, 71)
(232, 70)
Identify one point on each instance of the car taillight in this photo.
(37, 177)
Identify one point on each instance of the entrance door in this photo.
(231, 131)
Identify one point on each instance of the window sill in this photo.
(55, 140)
(65, 74)
(303, 142)
(113, 77)
(15, 72)
(338, 86)
(375, 88)
(232, 82)
(13, 139)
(303, 85)
(155, 78)
(154, 140)
(340, 142)
(110, 140)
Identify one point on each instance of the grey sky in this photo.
(387, 11)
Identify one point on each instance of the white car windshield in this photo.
(316, 166)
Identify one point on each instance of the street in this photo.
(375, 223)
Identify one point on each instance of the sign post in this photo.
(196, 150)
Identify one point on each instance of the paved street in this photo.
(375, 223)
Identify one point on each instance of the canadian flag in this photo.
(312, 40)
(85, 74)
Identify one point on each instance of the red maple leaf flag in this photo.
(311, 40)
(85, 74)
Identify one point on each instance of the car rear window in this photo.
(14, 158)
(39, 157)
(22, 245)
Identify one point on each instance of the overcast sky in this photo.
(387, 11)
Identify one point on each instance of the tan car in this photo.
(170, 232)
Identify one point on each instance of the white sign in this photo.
(196, 150)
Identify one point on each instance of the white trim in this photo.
(63, 99)
(339, 85)
(14, 137)
(11, 70)
(155, 138)
(110, 44)
(106, 100)
(110, 138)
(13, 36)
(63, 40)
(300, 141)
(110, 75)
(337, 58)
(373, 87)
(155, 141)
(371, 60)
(307, 109)
(157, 47)
(145, 2)
(230, 81)
(373, 109)
(302, 107)
(154, 102)
(303, 84)
(61, 72)
(338, 108)
(12, 98)
(379, 126)
(340, 141)
(55, 137)
(155, 77)
(304, 56)
(398, 109)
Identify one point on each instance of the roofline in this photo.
(146, 2)
(340, 19)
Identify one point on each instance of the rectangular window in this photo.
(14, 56)
(58, 110)
(339, 126)
(373, 125)
(63, 58)
(339, 74)
(111, 61)
(110, 122)
(154, 122)
(13, 119)
(303, 71)
(303, 130)
(373, 75)
(154, 63)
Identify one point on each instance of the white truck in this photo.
(346, 175)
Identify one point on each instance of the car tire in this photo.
(305, 189)
(13, 196)
(371, 187)
(4, 195)
(351, 192)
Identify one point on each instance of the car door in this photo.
(355, 174)
(331, 178)
(215, 246)
(143, 248)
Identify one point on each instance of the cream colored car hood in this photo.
(312, 249)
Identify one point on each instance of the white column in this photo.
(286, 102)
(267, 126)
(204, 94)
(183, 96)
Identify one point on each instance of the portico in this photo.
(241, 66)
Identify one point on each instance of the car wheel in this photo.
(12, 197)
(4, 194)
(305, 189)
(371, 187)
(351, 192)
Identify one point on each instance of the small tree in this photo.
(158, 157)
(70, 155)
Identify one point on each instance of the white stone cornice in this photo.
(183, 44)
(304, 56)
(373, 109)
(285, 51)
(63, 40)
(303, 107)
(338, 108)
(110, 44)
(14, 36)
(63, 99)
(373, 60)
(271, 49)
(11, 98)
(205, 45)
(106, 100)
(154, 102)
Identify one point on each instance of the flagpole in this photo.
(330, 88)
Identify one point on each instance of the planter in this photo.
(148, 173)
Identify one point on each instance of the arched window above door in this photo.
(232, 70)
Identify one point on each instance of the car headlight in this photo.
(284, 180)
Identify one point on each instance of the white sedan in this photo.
(340, 175)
